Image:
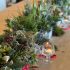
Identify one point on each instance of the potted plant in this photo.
(16, 50)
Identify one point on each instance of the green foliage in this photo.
(52, 19)
(18, 44)
(9, 23)
(4, 51)
(56, 48)
(34, 19)
(19, 47)
(1, 38)
(15, 23)
(23, 22)
(4, 48)
(43, 25)
(27, 9)
(58, 31)
(29, 23)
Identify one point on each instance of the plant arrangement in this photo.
(49, 21)
(23, 22)
(35, 19)
(16, 50)
(17, 44)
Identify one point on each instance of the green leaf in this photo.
(9, 23)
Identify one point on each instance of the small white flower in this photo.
(6, 58)
(60, 14)
(11, 62)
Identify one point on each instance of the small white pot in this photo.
(48, 35)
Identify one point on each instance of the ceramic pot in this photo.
(48, 35)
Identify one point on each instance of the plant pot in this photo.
(48, 35)
(42, 36)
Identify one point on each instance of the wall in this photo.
(2, 5)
